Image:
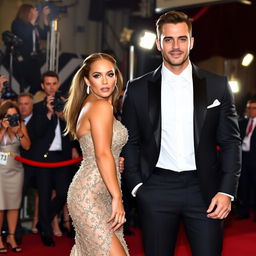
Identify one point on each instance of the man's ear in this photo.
(42, 86)
(158, 44)
(191, 43)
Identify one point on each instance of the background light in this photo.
(147, 40)
(234, 84)
(247, 59)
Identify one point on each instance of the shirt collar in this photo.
(26, 119)
(185, 74)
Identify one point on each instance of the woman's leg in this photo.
(36, 213)
(2, 248)
(12, 219)
(116, 248)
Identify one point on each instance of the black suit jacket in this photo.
(29, 154)
(217, 171)
(45, 133)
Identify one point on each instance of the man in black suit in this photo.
(51, 146)
(248, 175)
(176, 116)
(25, 105)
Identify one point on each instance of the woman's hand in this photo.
(118, 214)
(4, 123)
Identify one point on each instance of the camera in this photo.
(58, 103)
(10, 39)
(7, 92)
(13, 119)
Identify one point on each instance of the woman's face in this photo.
(102, 79)
(33, 14)
(11, 111)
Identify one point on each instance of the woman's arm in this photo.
(2, 129)
(101, 123)
(23, 136)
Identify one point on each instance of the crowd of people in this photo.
(176, 168)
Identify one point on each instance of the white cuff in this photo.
(232, 198)
(135, 189)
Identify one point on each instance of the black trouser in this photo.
(47, 180)
(247, 184)
(165, 199)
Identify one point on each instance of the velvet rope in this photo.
(43, 164)
(200, 13)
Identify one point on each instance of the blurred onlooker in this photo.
(51, 146)
(247, 184)
(13, 134)
(25, 27)
(25, 105)
(3, 79)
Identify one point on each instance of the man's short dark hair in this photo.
(26, 94)
(173, 17)
(49, 73)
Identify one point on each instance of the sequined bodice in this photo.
(119, 139)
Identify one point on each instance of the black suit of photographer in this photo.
(50, 178)
(27, 70)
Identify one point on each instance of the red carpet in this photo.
(240, 238)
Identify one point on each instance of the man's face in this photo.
(175, 44)
(25, 105)
(50, 85)
(251, 110)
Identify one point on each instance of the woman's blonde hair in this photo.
(77, 92)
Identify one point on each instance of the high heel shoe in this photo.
(3, 250)
(16, 249)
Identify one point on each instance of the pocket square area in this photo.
(214, 104)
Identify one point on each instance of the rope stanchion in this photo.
(43, 164)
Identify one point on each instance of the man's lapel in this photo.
(200, 103)
(154, 104)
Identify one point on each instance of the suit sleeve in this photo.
(228, 136)
(41, 122)
(131, 151)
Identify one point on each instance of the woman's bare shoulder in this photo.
(101, 107)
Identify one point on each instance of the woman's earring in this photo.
(88, 89)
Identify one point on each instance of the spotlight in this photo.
(247, 59)
(234, 84)
(147, 40)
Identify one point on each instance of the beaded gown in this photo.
(89, 201)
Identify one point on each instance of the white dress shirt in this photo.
(177, 138)
(26, 119)
(56, 143)
(247, 139)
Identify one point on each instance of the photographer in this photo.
(51, 146)
(3, 79)
(13, 134)
(26, 28)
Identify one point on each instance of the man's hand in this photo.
(75, 153)
(220, 207)
(121, 164)
(49, 106)
(60, 115)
